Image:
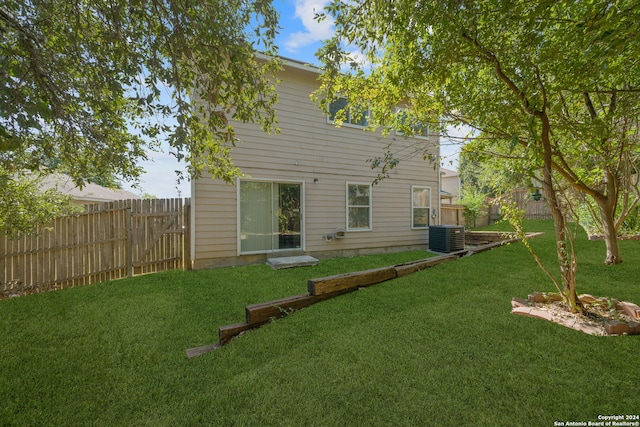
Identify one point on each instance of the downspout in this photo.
(439, 191)
(192, 225)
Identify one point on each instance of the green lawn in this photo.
(438, 347)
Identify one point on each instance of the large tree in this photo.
(601, 174)
(96, 84)
(559, 79)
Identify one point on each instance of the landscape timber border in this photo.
(324, 288)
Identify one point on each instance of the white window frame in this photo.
(303, 239)
(418, 136)
(428, 207)
(370, 205)
(347, 122)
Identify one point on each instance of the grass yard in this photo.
(438, 347)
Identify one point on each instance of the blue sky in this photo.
(301, 34)
(300, 38)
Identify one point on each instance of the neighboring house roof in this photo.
(89, 193)
(446, 173)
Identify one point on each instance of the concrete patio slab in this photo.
(292, 261)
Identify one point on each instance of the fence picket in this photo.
(108, 241)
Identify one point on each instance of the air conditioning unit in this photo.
(446, 238)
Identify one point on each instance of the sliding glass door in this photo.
(270, 216)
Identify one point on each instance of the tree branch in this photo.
(589, 104)
(32, 44)
(490, 57)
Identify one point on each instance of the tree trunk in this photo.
(607, 213)
(566, 259)
(608, 204)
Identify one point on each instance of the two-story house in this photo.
(309, 189)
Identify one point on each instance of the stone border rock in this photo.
(531, 307)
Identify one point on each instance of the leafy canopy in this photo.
(554, 77)
(552, 84)
(95, 84)
(489, 63)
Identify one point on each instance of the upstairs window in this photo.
(354, 116)
(418, 129)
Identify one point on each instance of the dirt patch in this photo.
(601, 316)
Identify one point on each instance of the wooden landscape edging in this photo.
(415, 266)
(332, 286)
(328, 285)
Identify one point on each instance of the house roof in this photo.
(89, 193)
(446, 173)
(446, 195)
(294, 63)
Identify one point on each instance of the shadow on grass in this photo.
(438, 347)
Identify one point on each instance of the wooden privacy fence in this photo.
(537, 210)
(108, 241)
(532, 210)
(452, 215)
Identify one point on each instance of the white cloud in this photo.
(314, 31)
(358, 57)
(160, 179)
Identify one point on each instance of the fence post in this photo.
(129, 226)
(186, 237)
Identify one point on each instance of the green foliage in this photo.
(471, 171)
(565, 281)
(23, 207)
(474, 204)
(495, 168)
(552, 81)
(514, 216)
(587, 211)
(97, 84)
(631, 225)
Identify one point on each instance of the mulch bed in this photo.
(601, 316)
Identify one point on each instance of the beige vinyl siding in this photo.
(215, 216)
(325, 158)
